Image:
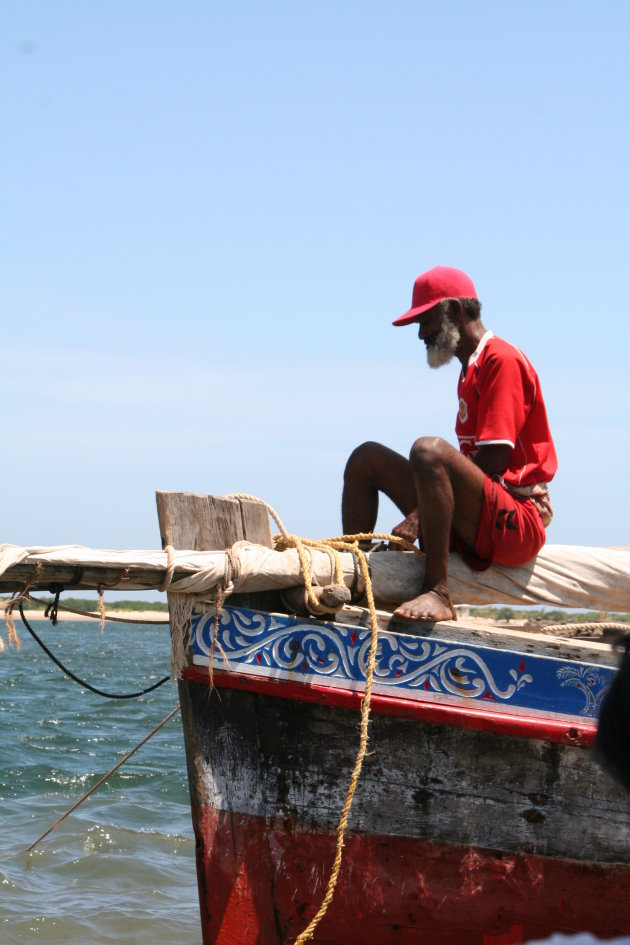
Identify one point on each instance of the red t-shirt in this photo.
(500, 401)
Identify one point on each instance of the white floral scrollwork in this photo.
(309, 648)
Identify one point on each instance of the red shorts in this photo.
(510, 530)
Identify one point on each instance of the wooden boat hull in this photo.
(476, 819)
(266, 876)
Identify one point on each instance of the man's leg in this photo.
(373, 468)
(450, 494)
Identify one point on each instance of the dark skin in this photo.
(437, 489)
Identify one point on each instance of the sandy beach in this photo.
(144, 616)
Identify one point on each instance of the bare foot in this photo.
(430, 605)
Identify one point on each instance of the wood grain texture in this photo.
(270, 875)
(198, 522)
(270, 757)
(207, 523)
(135, 578)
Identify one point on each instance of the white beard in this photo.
(442, 349)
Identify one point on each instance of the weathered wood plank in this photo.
(215, 523)
(421, 780)
(210, 523)
(255, 519)
(207, 523)
(199, 522)
(71, 578)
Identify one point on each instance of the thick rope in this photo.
(216, 643)
(349, 543)
(170, 568)
(329, 545)
(217, 617)
(7, 606)
(616, 626)
(307, 934)
(294, 541)
(101, 607)
(343, 543)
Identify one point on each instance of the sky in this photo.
(211, 212)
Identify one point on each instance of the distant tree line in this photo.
(539, 617)
(91, 606)
(532, 618)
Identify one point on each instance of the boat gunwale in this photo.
(576, 732)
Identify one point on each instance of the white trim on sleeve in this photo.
(495, 443)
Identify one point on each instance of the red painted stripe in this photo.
(262, 880)
(521, 726)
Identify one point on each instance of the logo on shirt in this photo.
(463, 410)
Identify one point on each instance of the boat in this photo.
(480, 816)
(360, 780)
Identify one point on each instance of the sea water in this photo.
(121, 867)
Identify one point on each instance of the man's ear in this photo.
(456, 312)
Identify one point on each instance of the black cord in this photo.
(82, 682)
(51, 610)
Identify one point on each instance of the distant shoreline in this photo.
(148, 616)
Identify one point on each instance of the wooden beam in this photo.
(206, 523)
(52, 576)
(188, 521)
(200, 522)
(214, 523)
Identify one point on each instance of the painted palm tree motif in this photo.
(591, 683)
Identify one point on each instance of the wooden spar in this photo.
(53, 576)
(560, 576)
(196, 522)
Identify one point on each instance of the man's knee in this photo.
(362, 459)
(428, 453)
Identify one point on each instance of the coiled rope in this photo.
(330, 546)
(8, 605)
(613, 626)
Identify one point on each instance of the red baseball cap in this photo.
(433, 286)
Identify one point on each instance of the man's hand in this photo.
(408, 529)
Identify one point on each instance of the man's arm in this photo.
(493, 459)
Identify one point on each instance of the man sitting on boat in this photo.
(488, 500)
